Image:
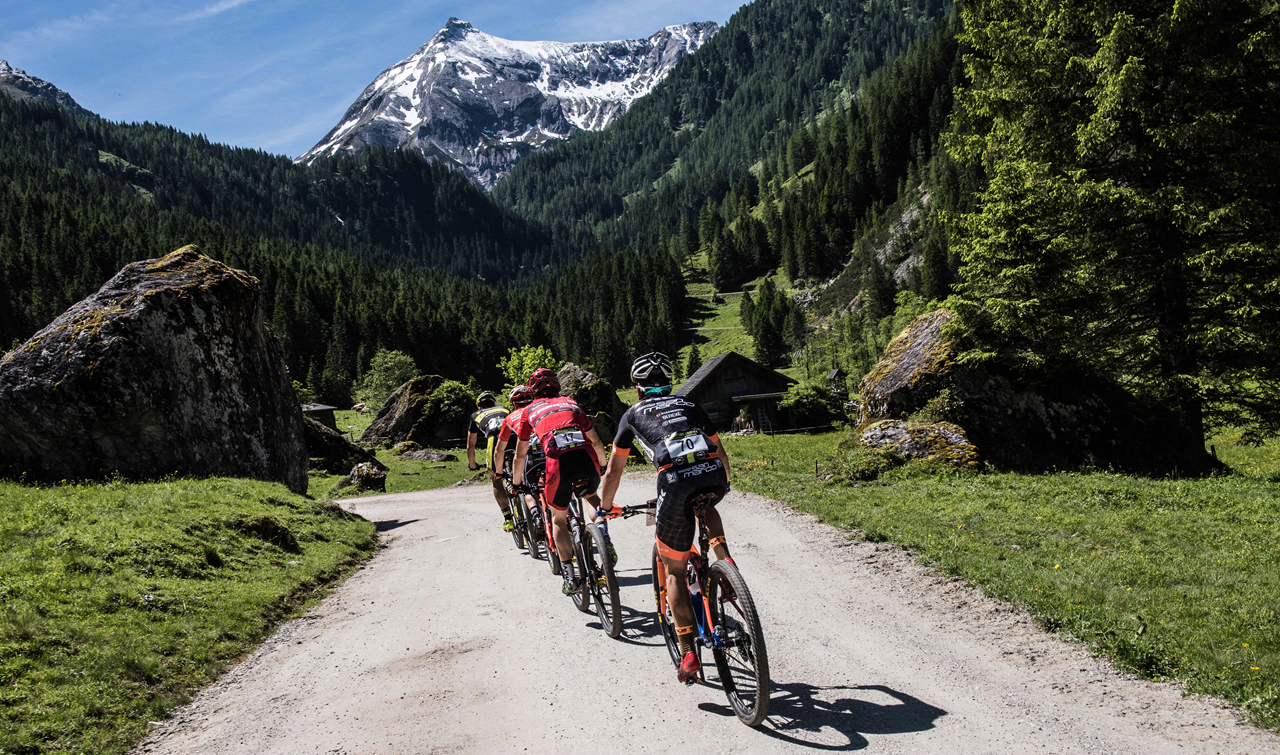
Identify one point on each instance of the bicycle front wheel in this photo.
(665, 620)
(585, 571)
(743, 662)
(605, 587)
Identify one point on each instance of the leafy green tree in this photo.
(521, 361)
(305, 395)
(388, 370)
(1132, 220)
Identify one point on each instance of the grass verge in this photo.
(1170, 579)
(118, 601)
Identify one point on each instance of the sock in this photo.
(719, 547)
(567, 568)
(686, 639)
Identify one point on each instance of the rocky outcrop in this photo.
(168, 369)
(1020, 421)
(427, 454)
(427, 410)
(331, 452)
(915, 367)
(22, 86)
(596, 397)
(939, 442)
(368, 477)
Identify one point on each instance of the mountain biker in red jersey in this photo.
(679, 438)
(505, 451)
(574, 452)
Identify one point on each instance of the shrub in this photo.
(812, 405)
(451, 404)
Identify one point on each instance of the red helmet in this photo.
(521, 396)
(544, 383)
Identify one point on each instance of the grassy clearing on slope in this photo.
(120, 600)
(1171, 579)
(403, 476)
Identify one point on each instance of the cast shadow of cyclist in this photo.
(796, 710)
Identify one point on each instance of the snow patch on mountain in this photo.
(482, 102)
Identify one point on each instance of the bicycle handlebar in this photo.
(626, 512)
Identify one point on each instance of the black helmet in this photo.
(651, 370)
(486, 400)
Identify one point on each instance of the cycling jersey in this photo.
(672, 431)
(681, 441)
(486, 423)
(508, 432)
(559, 423)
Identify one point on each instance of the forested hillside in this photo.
(387, 204)
(71, 216)
(775, 64)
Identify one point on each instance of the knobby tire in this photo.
(608, 606)
(744, 671)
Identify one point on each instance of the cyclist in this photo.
(486, 420)
(520, 399)
(573, 452)
(679, 438)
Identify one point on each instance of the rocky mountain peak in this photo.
(20, 85)
(482, 103)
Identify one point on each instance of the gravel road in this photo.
(452, 641)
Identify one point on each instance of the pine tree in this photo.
(1132, 221)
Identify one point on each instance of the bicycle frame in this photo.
(709, 636)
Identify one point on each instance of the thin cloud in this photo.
(211, 10)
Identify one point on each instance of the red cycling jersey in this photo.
(559, 423)
(511, 425)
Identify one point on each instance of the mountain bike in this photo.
(538, 525)
(519, 513)
(599, 584)
(726, 620)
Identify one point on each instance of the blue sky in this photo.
(276, 74)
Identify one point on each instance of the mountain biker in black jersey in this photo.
(680, 440)
(485, 423)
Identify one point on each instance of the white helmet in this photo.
(653, 369)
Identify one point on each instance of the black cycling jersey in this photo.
(669, 429)
(487, 422)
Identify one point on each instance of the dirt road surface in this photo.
(452, 641)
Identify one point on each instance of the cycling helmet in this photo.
(652, 370)
(544, 383)
(486, 400)
(521, 396)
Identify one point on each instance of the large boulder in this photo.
(596, 397)
(916, 365)
(332, 452)
(1022, 421)
(167, 369)
(427, 410)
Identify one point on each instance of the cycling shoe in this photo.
(690, 667)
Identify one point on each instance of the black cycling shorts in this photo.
(677, 487)
(578, 465)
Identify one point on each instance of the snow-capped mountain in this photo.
(483, 103)
(19, 85)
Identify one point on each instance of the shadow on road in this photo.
(638, 628)
(392, 524)
(799, 714)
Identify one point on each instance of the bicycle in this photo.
(726, 621)
(519, 513)
(599, 583)
(538, 526)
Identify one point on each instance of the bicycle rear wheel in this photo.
(582, 551)
(665, 621)
(605, 584)
(516, 504)
(743, 662)
(535, 533)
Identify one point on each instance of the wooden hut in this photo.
(322, 414)
(729, 386)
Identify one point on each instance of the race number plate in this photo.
(569, 437)
(682, 444)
